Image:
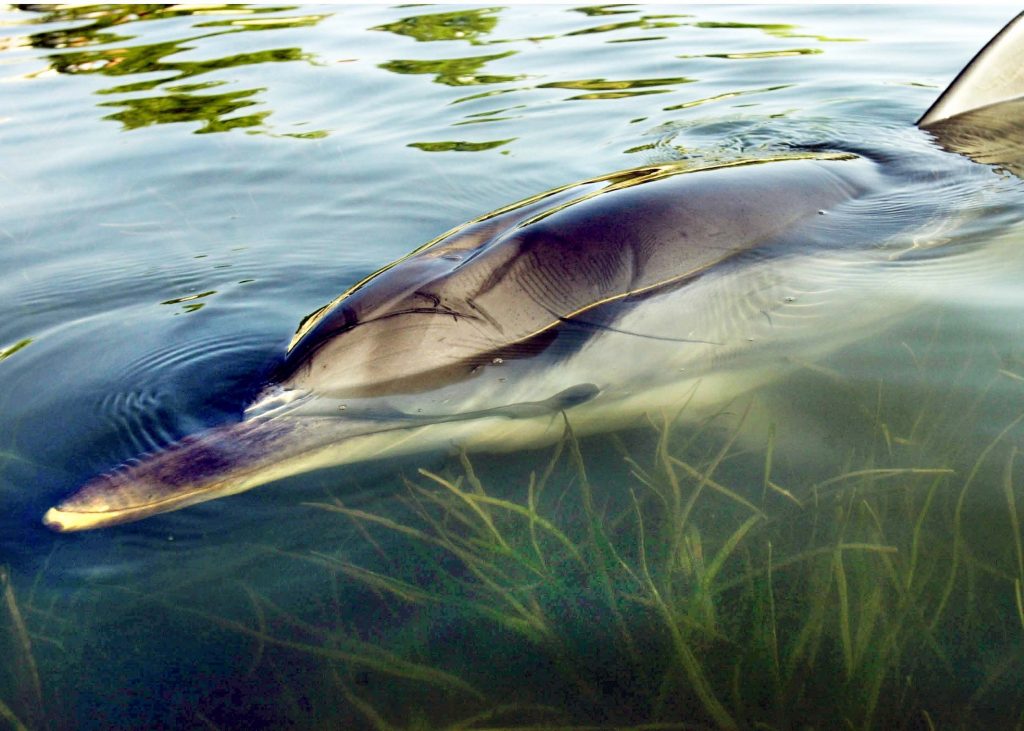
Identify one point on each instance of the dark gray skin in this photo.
(506, 287)
(494, 287)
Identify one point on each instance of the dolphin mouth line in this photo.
(65, 520)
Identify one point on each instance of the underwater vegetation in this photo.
(688, 605)
(673, 578)
(24, 708)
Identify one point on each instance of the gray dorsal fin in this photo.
(994, 75)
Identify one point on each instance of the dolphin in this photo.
(597, 303)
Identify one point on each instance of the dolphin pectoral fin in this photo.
(570, 397)
(566, 399)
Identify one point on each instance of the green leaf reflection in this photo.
(211, 109)
(605, 84)
(599, 10)
(647, 22)
(179, 102)
(459, 146)
(454, 71)
(606, 89)
(8, 352)
(763, 54)
(106, 16)
(460, 25)
(299, 21)
(149, 59)
(192, 305)
(778, 30)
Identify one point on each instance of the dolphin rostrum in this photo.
(603, 301)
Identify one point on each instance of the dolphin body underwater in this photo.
(492, 335)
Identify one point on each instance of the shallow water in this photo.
(181, 187)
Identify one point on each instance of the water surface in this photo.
(183, 185)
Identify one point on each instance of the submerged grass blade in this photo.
(373, 518)
(534, 520)
(1019, 596)
(958, 540)
(471, 501)
(376, 720)
(844, 612)
(691, 666)
(8, 715)
(261, 623)
(882, 472)
(1011, 504)
(711, 573)
(768, 456)
(915, 543)
(721, 489)
(602, 552)
(357, 653)
(402, 590)
(30, 688)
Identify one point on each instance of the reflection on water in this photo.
(724, 97)
(778, 30)
(780, 53)
(102, 45)
(644, 22)
(600, 10)
(461, 25)
(193, 306)
(605, 89)
(181, 103)
(455, 71)
(851, 557)
(459, 146)
(9, 351)
(210, 109)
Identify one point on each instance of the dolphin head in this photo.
(417, 336)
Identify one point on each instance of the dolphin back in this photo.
(500, 287)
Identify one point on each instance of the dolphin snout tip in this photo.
(62, 520)
(57, 520)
